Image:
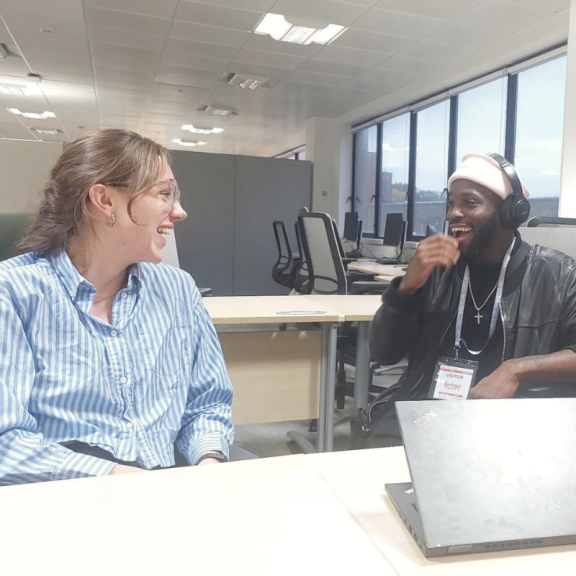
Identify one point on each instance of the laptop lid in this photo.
(492, 470)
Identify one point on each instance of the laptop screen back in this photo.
(492, 470)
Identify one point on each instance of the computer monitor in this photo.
(394, 230)
(431, 230)
(351, 226)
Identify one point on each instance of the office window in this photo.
(539, 128)
(394, 174)
(365, 177)
(431, 167)
(482, 119)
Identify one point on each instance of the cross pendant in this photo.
(478, 316)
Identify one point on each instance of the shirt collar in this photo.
(72, 279)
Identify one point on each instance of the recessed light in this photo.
(15, 90)
(195, 130)
(251, 82)
(219, 110)
(47, 132)
(192, 143)
(33, 115)
(276, 26)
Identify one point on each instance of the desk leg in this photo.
(327, 387)
(362, 381)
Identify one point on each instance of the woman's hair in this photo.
(103, 157)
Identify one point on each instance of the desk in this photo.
(279, 375)
(387, 270)
(359, 309)
(312, 514)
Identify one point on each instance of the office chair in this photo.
(301, 276)
(283, 271)
(556, 233)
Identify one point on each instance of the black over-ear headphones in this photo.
(515, 209)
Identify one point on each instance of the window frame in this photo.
(453, 96)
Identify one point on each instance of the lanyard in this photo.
(495, 308)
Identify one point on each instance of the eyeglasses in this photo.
(172, 194)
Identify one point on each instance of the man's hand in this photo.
(121, 469)
(437, 250)
(502, 383)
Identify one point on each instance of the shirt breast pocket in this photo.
(167, 352)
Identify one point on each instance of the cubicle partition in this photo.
(227, 242)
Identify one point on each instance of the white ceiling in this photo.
(147, 65)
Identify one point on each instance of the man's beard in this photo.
(482, 238)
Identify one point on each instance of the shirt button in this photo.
(123, 295)
(113, 333)
(71, 293)
(130, 425)
(123, 380)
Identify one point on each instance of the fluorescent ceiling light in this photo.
(219, 110)
(46, 131)
(14, 90)
(188, 142)
(251, 82)
(194, 130)
(33, 115)
(276, 26)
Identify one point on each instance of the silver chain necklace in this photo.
(479, 316)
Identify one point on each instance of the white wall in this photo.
(24, 169)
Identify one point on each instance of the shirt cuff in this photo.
(207, 443)
(82, 466)
(399, 299)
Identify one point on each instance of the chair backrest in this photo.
(284, 261)
(327, 275)
(562, 239)
(338, 239)
(302, 278)
(550, 222)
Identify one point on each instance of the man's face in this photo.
(474, 217)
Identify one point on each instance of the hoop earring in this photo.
(110, 222)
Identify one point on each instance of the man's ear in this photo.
(101, 199)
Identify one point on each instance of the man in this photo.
(524, 345)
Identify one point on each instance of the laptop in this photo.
(488, 475)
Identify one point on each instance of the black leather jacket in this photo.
(538, 317)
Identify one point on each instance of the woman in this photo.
(108, 358)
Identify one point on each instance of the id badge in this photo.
(453, 378)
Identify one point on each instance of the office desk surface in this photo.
(267, 310)
(391, 270)
(358, 479)
(354, 307)
(274, 516)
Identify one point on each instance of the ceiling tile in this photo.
(268, 44)
(390, 78)
(129, 22)
(177, 93)
(511, 17)
(120, 57)
(434, 51)
(372, 41)
(189, 61)
(209, 34)
(217, 16)
(232, 96)
(269, 59)
(315, 78)
(407, 64)
(462, 35)
(163, 9)
(324, 67)
(325, 11)
(265, 71)
(178, 76)
(397, 24)
(445, 9)
(255, 5)
(200, 49)
(105, 35)
(350, 56)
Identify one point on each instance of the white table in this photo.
(314, 514)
